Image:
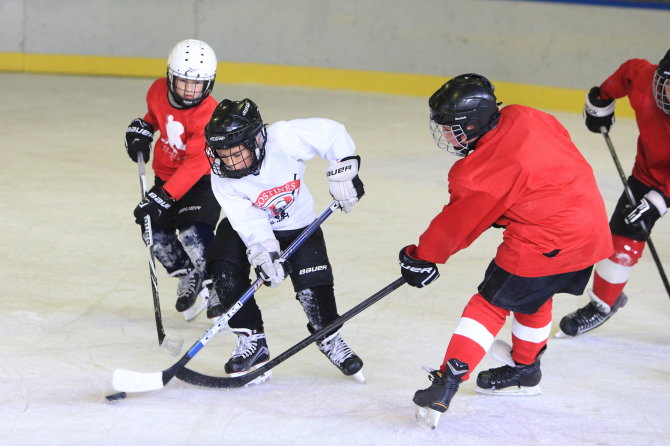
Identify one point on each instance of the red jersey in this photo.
(652, 162)
(179, 151)
(527, 175)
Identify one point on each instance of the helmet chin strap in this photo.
(172, 100)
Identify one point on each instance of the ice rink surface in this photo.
(76, 301)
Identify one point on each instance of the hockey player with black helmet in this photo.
(518, 170)
(647, 86)
(181, 205)
(258, 178)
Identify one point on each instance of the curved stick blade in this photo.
(130, 381)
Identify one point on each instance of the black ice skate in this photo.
(188, 290)
(214, 306)
(508, 380)
(434, 401)
(250, 353)
(591, 316)
(342, 356)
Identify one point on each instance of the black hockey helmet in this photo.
(661, 84)
(468, 107)
(235, 123)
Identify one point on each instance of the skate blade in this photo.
(427, 418)
(249, 370)
(260, 380)
(511, 391)
(560, 335)
(359, 377)
(200, 304)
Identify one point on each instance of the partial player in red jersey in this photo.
(648, 89)
(181, 204)
(520, 171)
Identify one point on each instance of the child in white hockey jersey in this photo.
(258, 180)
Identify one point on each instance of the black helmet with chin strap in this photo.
(468, 106)
(235, 123)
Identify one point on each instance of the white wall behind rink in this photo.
(563, 45)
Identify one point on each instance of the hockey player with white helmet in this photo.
(518, 170)
(181, 205)
(258, 178)
(647, 86)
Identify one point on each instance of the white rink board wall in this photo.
(537, 43)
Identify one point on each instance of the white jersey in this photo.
(277, 198)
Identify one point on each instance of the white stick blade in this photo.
(130, 381)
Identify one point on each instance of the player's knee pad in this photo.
(627, 251)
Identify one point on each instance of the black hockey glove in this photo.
(598, 112)
(155, 204)
(417, 273)
(650, 208)
(138, 139)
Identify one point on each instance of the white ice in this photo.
(75, 297)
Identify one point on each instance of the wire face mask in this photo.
(451, 139)
(661, 88)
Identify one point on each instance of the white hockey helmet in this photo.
(191, 60)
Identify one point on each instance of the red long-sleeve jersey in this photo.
(179, 155)
(652, 161)
(527, 175)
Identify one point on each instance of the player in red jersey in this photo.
(520, 171)
(648, 89)
(181, 204)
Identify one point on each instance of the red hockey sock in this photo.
(611, 275)
(478, 327)
(530, 333)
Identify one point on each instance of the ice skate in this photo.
(432, 402)
(512, 380)
(250, 353)
(214, 306)
(201, 302)
(342, 356)
(591, 316)
(188, 288)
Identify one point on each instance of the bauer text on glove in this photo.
(264, 259)
(155, 204)
(343, 182)
(138, 139)
(417, 273)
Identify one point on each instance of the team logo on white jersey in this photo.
(277, 200)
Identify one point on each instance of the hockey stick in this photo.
(173, 346)
(130, 381)
(193, 377)
(631, 200)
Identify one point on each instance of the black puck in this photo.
(116, 396)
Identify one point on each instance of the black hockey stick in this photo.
(631, 200)
(193, 377)
(130, 381)
(173, 346)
